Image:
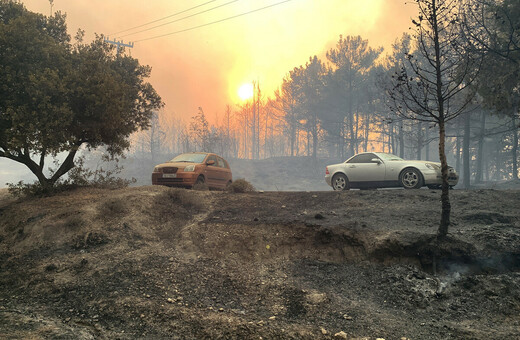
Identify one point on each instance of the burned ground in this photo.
(154, 262)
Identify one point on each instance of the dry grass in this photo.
(241, 185)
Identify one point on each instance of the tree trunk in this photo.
(401, 140)
(445, 198)
(480, 150)
(465, 151)
(514, 149)
(457, 145)
(419, 140)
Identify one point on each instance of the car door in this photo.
(224, 172)
(211, 172)
(362, 168)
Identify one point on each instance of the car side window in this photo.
(212, 158)
(221, 162)
(363, 158)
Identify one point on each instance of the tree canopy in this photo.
(56, 96)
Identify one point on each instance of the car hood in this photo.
(175, 164)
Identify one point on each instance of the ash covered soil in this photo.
(161, 263)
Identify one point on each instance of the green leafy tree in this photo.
(56, 97)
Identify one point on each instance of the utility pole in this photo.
(119, 44)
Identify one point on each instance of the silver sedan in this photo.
(383, 170)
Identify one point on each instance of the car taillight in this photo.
(327, 171)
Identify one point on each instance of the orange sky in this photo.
(206, 66)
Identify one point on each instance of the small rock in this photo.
(323, 331)
(272, 317)
(171, 259)
(319, 216)
(347, 317)
(170, 300)
(221, 309)
(283, 207)
(340, 335)
(314, 196)
(260, 323)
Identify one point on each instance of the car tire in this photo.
(411, 178)
(340, 182)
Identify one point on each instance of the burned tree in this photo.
(433, 83)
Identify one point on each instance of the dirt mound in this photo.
(154, 262)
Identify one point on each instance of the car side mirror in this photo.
(376, 160)
(210, 162)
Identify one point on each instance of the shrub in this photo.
(79, 176)
(241, 185)
(185, 198)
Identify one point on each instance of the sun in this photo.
(245, 91)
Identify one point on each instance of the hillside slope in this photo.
(153, 262)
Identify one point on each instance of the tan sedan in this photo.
(188, 169)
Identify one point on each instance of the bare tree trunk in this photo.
(465, 151)
(514, 149)
(480, 150)
(457, 153)
(401, 140)
(445, 198)
(427, 142)
(419, 140)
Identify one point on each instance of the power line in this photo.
(169, 16)
(189, 16)
(215, 22)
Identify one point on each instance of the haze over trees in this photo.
(57, 97)
(333, 106)
(337, 105)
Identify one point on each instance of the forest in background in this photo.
(339, 105)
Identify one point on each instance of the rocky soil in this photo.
(160, 263)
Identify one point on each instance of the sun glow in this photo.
(245, 91)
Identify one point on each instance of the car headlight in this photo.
(156, 169)
(432, 166)
(189, 168)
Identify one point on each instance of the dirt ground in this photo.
(160, 263)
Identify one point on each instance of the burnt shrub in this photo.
(241, 185)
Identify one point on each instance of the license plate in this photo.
(169, 175)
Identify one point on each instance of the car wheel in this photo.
(411, 179)
(340, 182)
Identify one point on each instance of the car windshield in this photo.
(389, 157)
(190, 158)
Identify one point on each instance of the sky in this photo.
(206, 66)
